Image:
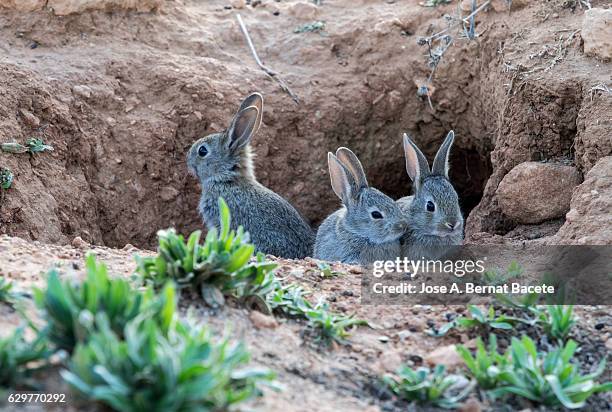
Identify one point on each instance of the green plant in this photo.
(182, 369)
(434, 3)
(289, 300)
(424, 387)
(486, 363)
(478, 319)
(219, 267)
(6, 178)
(13, 147)
(558, 321)
(497, 277)
(6, 293)
(548, 378)
(524, 302)
(69, 307)
(326, 270)
(314, 27)
(36, 145)
(20, 358)
(330, 327)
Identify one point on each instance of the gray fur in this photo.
(430, 230)
(351, 234)
(227, 171)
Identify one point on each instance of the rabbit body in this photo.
(434, 216)
(223, 163)
(369, 225)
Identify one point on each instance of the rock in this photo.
(168, 193)
(261, 321)
(589, 220)
(389, 361)
(597, 33)
(82, 91)
(64, 7)
(23, 5)
(304, 11)
(31, 120)
(79, 243)
(238, 4)
(471, 405)
(533, 192)
(446, 355)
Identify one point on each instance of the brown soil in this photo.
(121, 95)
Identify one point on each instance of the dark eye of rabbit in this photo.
(377, 215)
(430, 206)
(202, 151)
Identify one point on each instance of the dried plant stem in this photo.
(274, 75)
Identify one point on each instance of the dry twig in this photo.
(271, 73)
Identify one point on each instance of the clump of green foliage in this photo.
(435, 3)
(37, 145)
(151, 369)
(548, 378)
(330, 327)
(69, 307)
(314, 27)
(6, 178)
(526, 302)
(478, 319)
(19, 358)
(427, 388)
(219, 267)
(558, 321)
(486, 364)
(6, 292)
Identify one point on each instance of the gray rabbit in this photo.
(369, 225)
(434, 217)
(224, 165)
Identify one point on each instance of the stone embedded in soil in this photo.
(597, 33)
(389, 361)
(471, 405)
(304, 11)
(261, 321)
(445, 355)
(589, 220)
(534, 192)
(23, 5)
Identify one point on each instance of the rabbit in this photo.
(434, 216)
(223, 163)
(369, 225)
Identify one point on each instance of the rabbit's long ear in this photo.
(254, 99)
(242, 127)
(440, 163)
(340, 181)
(416, 162)
(353, 165)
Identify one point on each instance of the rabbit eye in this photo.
(430, 206)
(202, 151)
(376, 215)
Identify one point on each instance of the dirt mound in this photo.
(122, 95)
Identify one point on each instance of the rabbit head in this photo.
(226, 155)
(435, 208)
(370, 214)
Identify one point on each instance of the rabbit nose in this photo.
(450, 225)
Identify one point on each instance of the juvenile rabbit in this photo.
(224, 165)
(434, 216)
(369, 225)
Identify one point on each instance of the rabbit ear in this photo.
(340, 181)
(416, 163)
(242, 127)
(254, 99)
(440, 163)
(353, 165)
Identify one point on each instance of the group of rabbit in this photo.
(370, 226)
